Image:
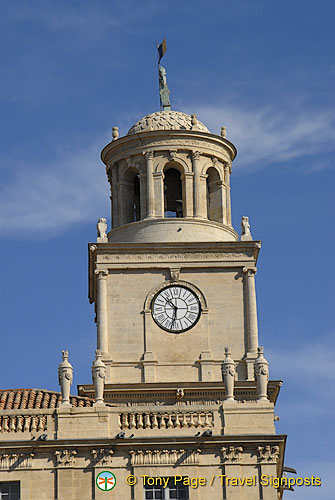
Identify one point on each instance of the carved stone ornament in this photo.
(149, 155)
(249, 271)
(268, 453)
(101, 273)
(101, 229)
(180, 393)
(174, 273)
(194, 122)
(195, 155)
(65, 458)
(149, 123)
(223, 131)
(172, 154)
(232, 454)
(102, 457)
(228, 372)
(93, 248)
(98, 377)
(65, 377)
(245, 229)
(16, 460)
(115, 133)
(262, 375)
(164, 457)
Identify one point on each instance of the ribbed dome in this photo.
(167, 120)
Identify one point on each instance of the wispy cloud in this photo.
(271, 135)
(307, 369)
(42, 198)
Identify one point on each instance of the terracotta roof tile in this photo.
(23, 399)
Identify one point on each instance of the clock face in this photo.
(176, 308)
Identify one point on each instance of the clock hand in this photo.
(172, 304)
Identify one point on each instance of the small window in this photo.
(173, 491)
(10, 491)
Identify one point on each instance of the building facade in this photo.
(181, 405)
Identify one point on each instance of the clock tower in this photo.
(173, 286)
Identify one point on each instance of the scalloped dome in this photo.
(166, 120)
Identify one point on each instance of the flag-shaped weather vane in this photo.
(164, 92)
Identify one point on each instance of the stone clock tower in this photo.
(174, 291)
(172, 245)
(181, 406)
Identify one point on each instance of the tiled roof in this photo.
(24, 399)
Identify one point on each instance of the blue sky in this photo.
(71, 70)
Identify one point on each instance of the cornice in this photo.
(165, 139)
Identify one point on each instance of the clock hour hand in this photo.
(171, 304)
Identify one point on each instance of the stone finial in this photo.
(101, 230)
(194, 122)
(245, 229)
(223, 131)
(98, 377)
(228, 372)
(115, 133)
(262, 375)
(65, 377)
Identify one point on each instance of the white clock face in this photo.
(176, 308)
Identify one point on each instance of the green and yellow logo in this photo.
(106, 480)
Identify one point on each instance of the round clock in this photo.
(176, 308)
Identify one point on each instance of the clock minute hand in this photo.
(172, 304)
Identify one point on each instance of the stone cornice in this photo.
(206, 143)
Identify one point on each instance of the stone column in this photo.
(101, 305)
(149, 155)
(196, 185)
(227, 172)
(187, 179)
(251, 305)
(159, 193)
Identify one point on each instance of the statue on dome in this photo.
(164, 92)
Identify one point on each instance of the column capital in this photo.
(101, 273)
(227, 166)
(249, 271)
(195, 155)
(148, 155)
(172, 153)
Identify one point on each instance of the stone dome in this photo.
(166, 120)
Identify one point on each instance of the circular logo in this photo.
(106, 480)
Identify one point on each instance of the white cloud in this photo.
(306, 370)
(271, 135)
(51, 197)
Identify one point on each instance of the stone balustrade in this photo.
(165, 420)
(23, 423)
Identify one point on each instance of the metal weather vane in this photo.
(164, 93)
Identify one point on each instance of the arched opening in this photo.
(131, 196)
(173, 197)
(214, 195)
